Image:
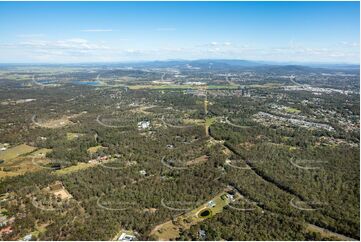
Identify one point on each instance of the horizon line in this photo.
(266, 62)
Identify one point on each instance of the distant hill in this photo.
(215, 64)
(202, 64)
(218, 64)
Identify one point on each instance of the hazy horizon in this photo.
(103, 32)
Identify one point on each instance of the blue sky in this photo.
(131, 31)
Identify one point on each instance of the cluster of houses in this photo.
(317, 90)
(297, 122)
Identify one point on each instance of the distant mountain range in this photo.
(228, 64)
(213, 64)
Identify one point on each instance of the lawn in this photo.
(210, 121)
(220, 204)
(213, 87)
(198, 160)
(94, 149)
(40, 152)
(55, 123)
(266, 85)
(39, 230)
(193, 121)
(73, 136)
(75, 168)
(170, 230)
(16, 151)
(292, 110)
(21, 159)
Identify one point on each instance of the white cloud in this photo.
(84, 50)
(350, 44)
(215, 43)
(75, 44)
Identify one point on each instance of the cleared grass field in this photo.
(16, 151)
(170, 230)
(198, 160)
(266, 85)
(193, 121)
(73, 136)
(94, 149)
(55, 123)
(40, 152)
(292, 110)
(39, 229)
(212, 87)
(22, 164)
(210, 121)
(21, 159)
(78, 167)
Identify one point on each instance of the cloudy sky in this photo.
(72, 32)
